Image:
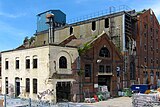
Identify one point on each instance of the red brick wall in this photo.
(147, 24)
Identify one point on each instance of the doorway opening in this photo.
(104, 80)
(17, 87)
(63, 91)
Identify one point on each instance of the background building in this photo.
(148, 48)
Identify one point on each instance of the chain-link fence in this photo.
(21, 102)
(145, 100)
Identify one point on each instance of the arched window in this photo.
(62, 62)
(104, 52)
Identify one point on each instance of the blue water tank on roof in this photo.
(59, 19)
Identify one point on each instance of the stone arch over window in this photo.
(104, 52)
(62, 62)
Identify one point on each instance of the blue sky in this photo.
(18, 17)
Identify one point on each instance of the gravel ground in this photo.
(114, 102)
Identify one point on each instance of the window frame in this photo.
(35, 86)
(93, 25)
(63, 62)
(88, 70)
(28, 85)
(105, 52)
(35, 63)
(6, 64)
(106, 23)
(27, 63)
(17, 63)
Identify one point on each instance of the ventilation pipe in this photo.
(50, 22)
(123, 30)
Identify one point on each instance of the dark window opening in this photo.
(127, 42)
(157, 32)
(157, 50)
(62, 62)
(87, 70)
(104, 52)
(17, 64)
(145, 47)
(145, 26)
(157, 61)
(145, 59)
(108, 69)
(71, 30)
(133, 71)
(145, 34)
(6, 85)
(35, 63)
(6, 64)
(27, 85)
(151, 48)
(94, 25)
(101, 68)
(44, 42)
(151, 60)
(107, 23)
(27, 63)
(35, 86)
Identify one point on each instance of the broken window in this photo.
(151, 60)
(87, 70)
(104, 52)
(132, 69)
(71, 30)
(108, 69)
(94, 25)
(35, 86)
(145, 34)
(27, 63)
(27, 85)
(17, 63)
(101, 68)
(145, 47)
(145, 26)
(62, 62)
(35, 62)
(151, 48)
(106, 23)
(145, 59)
(6, 64)
(6, 85)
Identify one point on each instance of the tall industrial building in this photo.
(148, 56)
